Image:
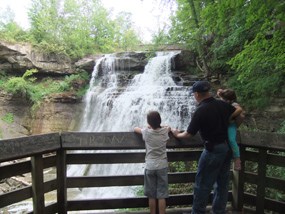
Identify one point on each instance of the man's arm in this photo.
(180, 135)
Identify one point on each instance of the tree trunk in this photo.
(200, 48)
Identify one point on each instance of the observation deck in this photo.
(258, 188)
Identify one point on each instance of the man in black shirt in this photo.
(211, 119)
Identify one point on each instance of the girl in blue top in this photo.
(229, 96)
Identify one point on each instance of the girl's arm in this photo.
(236, 113)
(240, 118)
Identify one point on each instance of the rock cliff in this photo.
(17, 58)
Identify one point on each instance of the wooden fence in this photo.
(260, 153)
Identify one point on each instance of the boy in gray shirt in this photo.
(156, 164)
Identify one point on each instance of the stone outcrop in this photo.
(17, 58)
(184, 60)
(87, 63)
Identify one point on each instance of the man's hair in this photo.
(154, 119)
(228, 95)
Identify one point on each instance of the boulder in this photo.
(87, 63)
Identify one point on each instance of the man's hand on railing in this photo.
(180, 134)
(175, 132)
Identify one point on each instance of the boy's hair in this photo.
(228, 95)
(154, 119)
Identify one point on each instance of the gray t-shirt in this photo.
(155, 143)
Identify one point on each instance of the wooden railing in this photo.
(56, 152)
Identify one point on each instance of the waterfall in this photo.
(111, 107)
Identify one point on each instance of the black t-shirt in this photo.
(211, 119)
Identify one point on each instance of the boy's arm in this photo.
(168, 128)
(138, 130)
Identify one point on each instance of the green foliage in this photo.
(35, 91)
(243, 39)
(12, 32)
(51, 47)
(80, 27)
(260, 69)
(22, 85)
(182, 24)
(8, 118)
(73, 27)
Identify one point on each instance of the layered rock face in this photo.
(17, 58)
(19, 124)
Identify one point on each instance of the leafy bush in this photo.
(27, 87)
(259, 71)
(22, 85)
(12, 32)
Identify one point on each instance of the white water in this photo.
(111, 108)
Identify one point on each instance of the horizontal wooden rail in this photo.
(123, 180)
(127, 157)
(22, 147)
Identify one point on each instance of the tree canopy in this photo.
(74, 27)
(243, 39)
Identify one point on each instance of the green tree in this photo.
(44, 18)
(79, 27)
(260, 65)
(243, 39)
(125, 36)
(9, 29)
(187, 28)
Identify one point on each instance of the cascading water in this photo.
(109, 107)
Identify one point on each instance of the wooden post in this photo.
(260, 193)
(238, 183)
(38, 184)
(61, 182)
